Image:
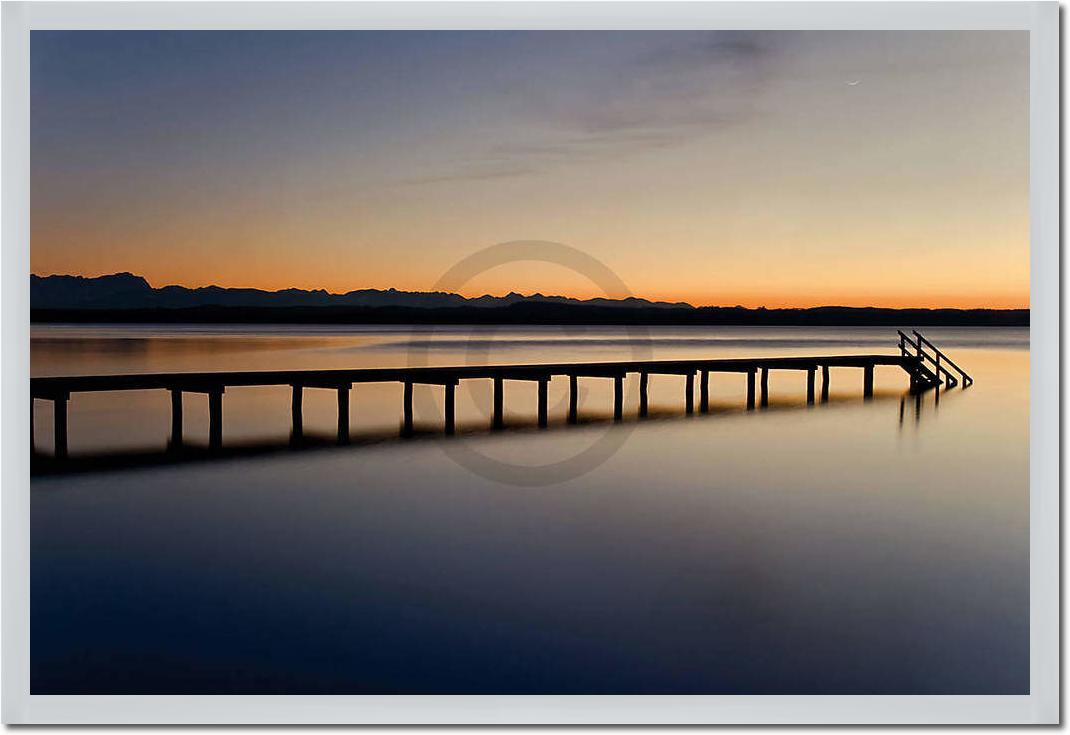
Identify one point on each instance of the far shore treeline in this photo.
(125, 298)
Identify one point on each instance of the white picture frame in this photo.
(1041, 706)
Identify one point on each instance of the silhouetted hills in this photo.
(127, 291)
(77, 292)
(124, 297)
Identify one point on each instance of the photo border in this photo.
(1040, 706)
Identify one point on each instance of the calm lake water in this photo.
(843, 548)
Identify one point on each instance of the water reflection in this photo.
(852, 547)
(518, 427)
(912, 406)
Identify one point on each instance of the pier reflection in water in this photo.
(795, 549)
(519, 427)
(925, 365)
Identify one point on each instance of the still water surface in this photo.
(848, 547)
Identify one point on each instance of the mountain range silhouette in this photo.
(126, 297)
(129, 291)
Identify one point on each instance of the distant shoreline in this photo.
(535, 314)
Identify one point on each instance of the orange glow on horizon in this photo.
(760, 181)
(787, 300)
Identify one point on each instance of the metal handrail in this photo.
(921, 338)
(922, 355)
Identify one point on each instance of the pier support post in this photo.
(824, 383)
(750, 390)
(810, 374)
(704, 391)
(765, 387)
(215, 418)
(618, 397)
(499, 390)
(543, 383)
(59, 412)
(176, 419)
(297, 423)
(406, 429)
(644, 379)
(448, 407)
(867, 381)
(689, 394)
(343, 414)
(573, 399)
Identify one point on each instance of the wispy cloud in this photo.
(656, 97)
(718, 48)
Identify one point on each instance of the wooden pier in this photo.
(925, 366)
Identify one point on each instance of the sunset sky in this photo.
(759, 168)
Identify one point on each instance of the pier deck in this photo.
(912, 359)
(59, 389)
(205, 382)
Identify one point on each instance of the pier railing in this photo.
(937, 359)
(943, 359)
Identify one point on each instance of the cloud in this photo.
(683, 87)
(718, 48)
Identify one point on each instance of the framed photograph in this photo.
(530, 363)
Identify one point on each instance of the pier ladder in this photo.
(933, 366)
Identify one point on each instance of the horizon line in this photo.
(540, 294)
